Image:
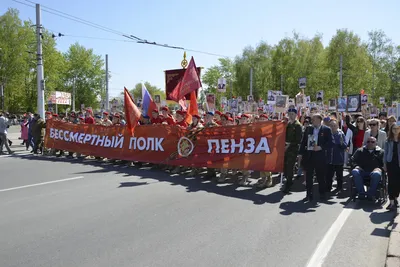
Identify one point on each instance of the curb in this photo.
(393, 253)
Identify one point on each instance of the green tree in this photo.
(225, 69)
(153, 90)
(356, 63)
(85, 71)
(12, 59)
(260, 60)
(385, 73)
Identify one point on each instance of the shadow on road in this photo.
(192, 184)
(131, 184)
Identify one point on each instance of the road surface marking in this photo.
(24, 153)
(32, 185)
(326, 243)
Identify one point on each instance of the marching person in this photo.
(224, 171)
(180, 122)
(293, 139)
(74, 120)
(24, 132)
(181, 119)
(210, 123)
(88, 117)
(375, 131)
(145, 120)
(316, 141)
(390, 121)
(4, 125)
(244, 119)
(116, 119)
(358, 131)
(38, 133)
(155, 118)
(336, 157)
(265, 177)
(106, 120)
(392, 164)
(168, 118)
(217, 117)
(195, 125)
(97, 120)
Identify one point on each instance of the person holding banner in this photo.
(217, 117)
(293, 138)
(155, 117)
(38, 133)
(106, 119)
(224, 172)
(244, 119)
(89, 117)
(167, 116)
(209, 123)
(265, 177)
(181, 119)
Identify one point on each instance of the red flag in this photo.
(190, 82)
(132, 113)
(182, 103)
(193, 109)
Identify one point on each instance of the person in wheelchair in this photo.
(368, 162)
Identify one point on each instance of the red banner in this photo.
(172, 78)
(259, 146)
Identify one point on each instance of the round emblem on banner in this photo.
(185, 147)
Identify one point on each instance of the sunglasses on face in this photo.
(373, 124)
(370, 142)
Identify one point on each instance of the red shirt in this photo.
(359, 138)
(219, 123)
(89, 120)
(169, 120)
(182, 124)
(157, 120)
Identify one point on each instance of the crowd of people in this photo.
(320, 145)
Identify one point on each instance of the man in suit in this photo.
(316, 141)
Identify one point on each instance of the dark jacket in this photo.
(353, 128)
(31, 121)
(336, 152)
(368, 161)
(324, 141)
(38, 128)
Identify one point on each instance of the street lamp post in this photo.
(1, 80)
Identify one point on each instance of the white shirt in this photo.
(3, 125)
(315, 133)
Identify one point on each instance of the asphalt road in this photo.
(59, 212)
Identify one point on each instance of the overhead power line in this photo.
(131, 37)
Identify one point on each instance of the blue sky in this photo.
(215, 26)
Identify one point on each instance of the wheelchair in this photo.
(381, 191)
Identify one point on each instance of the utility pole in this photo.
(73, 94)
(2, 96)
(251, 81)
(282, 83)
(373, 79)
(231, 82)
(40, 73)
(341, 77)
(107, 95)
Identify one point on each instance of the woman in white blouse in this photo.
(375, 132)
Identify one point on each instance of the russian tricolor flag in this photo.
(148, 105)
